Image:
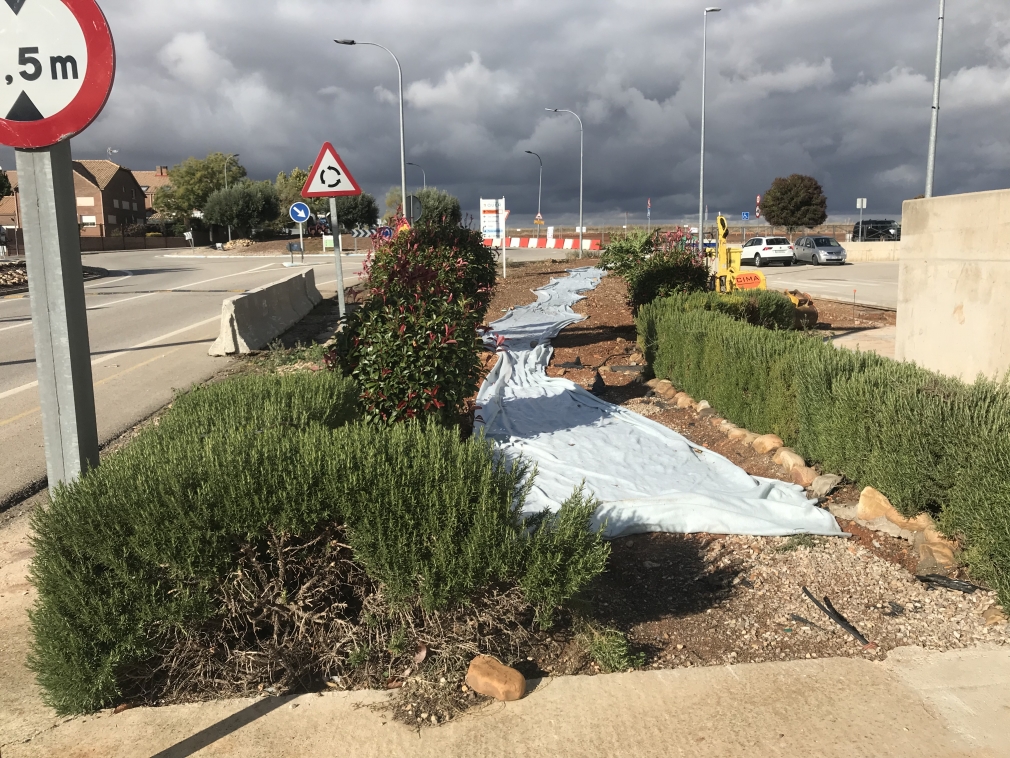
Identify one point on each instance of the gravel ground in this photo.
(12, 274)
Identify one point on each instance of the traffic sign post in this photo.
(60, 67)
(330, 178)
(861, 206)
(299, 213)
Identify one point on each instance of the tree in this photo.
(794, 202)
(289, 190)
(245, 206)
(5, 185)
(358, 210)
(192, 182)
(435, 204)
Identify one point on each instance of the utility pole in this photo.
(701, 188)
(931, 160)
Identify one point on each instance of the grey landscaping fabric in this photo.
(647, 477)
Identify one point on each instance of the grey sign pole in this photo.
(59, 315)
(335, 224)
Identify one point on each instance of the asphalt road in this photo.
(150, 323)
(872, 283)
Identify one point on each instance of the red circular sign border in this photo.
(91, 99)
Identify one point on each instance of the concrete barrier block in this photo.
(252, 320)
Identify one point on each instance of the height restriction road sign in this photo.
(329, 177)
(57, 63)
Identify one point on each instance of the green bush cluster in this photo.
(928, 442)
(656, 264)
(772, 310)
(141, 545)
(413, 346)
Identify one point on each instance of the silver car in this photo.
(819, 250)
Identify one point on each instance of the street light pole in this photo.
(403, 151)
(701, 186)
(582, 143)
(540, 192)
(931, 160)
(424, 176)
(226, 159)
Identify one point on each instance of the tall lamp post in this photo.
(424, 177)
(701, 185)
(582, 143)
(403, 151)
(540, 193)
(227, 158)
(931, 160)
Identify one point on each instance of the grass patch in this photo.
(796, 542)
(610, 649)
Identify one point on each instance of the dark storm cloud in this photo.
(838, 90)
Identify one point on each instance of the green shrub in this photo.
(657, 264)
(413, 347)
(772, 310)
(928, 442)
(137, 552)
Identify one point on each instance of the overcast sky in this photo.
(839, 90)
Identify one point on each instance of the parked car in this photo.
(819, 250)
(762, 250)
(877, 230)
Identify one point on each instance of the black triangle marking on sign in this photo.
(24, 109)
(16, 5)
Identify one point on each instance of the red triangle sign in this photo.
(329, 177)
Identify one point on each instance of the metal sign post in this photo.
(336, 256)
(330, 178)
(65, 66)
(861, 206)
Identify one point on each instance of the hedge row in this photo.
(142, 545)
(928, 442)
(766, 308)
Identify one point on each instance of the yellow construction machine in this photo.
(729, 278)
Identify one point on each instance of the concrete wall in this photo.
(856, 252)
(954, 284)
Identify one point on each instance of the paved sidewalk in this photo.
(879, 341)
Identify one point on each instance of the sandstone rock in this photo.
(716, 421)
(652, 383)
(737, 434)
(847, 511)
(789, 459)
(684, 400)
(803, 475)
(668, 392)
(749, 439)
(935, 556)
(494, 679)
(994, 615)
(873, 504)
(767, 443)
(825, 484)
(704, 405)
(727, 425)
(657, 384)
(883, 525)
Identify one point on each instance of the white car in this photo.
(762, 250)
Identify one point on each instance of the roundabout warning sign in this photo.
(57, 65)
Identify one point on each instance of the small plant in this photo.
(656, 265)
(610, 649)
(796, 542)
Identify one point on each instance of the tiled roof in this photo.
(99, 173)
(151, 180)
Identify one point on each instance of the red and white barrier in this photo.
(524, 243)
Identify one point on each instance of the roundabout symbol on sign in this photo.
(57, 65)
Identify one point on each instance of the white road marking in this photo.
(103, 358)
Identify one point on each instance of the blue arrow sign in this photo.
(300, 213)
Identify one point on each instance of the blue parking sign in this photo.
(746, 216)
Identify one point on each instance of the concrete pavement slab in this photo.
(828, 708)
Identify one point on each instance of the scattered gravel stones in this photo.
(765, 616)
(13, 274)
